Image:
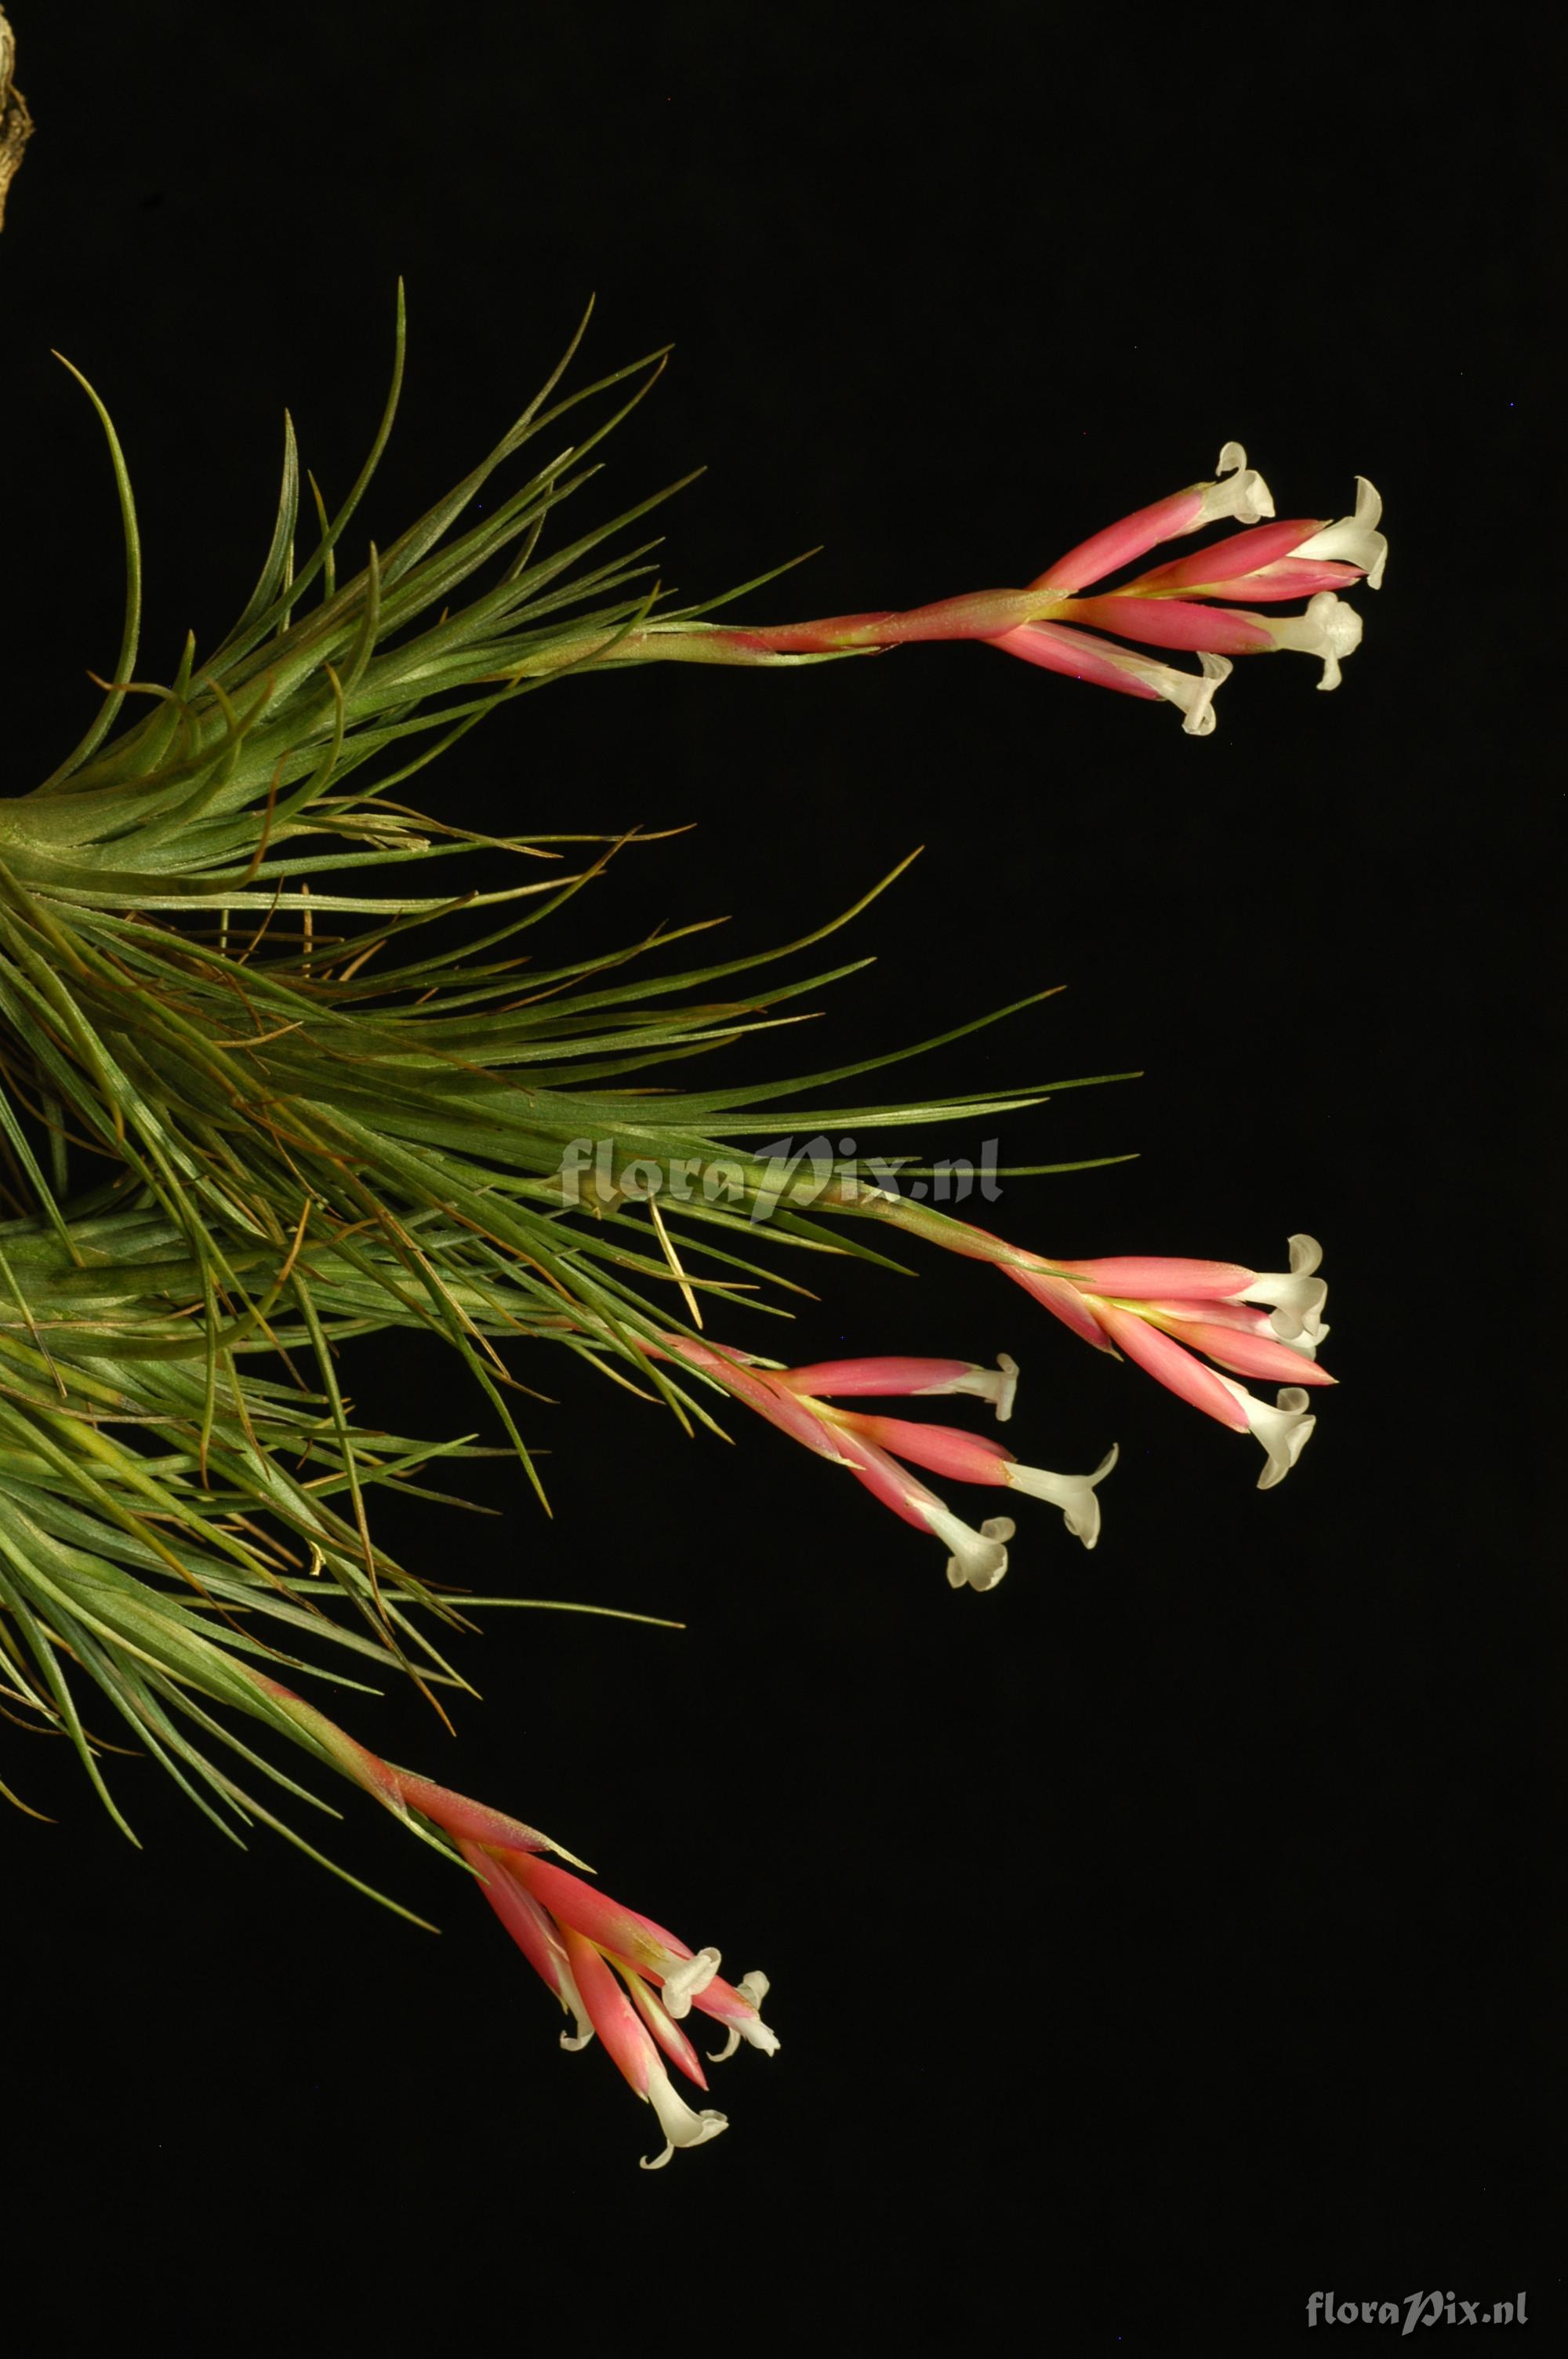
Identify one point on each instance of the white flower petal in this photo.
(1354, 539)
(1241, 493)
(1329, 629)
(1284, 1431)
(996, 1384)
(682, 1982)
(1195, 694)
(680, 2125)
(751, 2029)
(1073, 1493)
(566, 1983)
(978, 1558)
(1298, 1295)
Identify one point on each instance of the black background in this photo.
(1164, 1936)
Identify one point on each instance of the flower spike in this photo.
(617, 1974)
(1060, 622)
(623, 1977)
(632, 2046)
(1164, 1311)
(799, 1401)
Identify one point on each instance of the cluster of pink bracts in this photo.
(624, 1977)
(1052, 623)
(614, 1971)
(799, 1401)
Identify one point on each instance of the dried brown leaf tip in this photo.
(15, 122)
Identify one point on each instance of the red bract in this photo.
(622, 1976)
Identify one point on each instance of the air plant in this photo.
(257, 1102)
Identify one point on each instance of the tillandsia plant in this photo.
(257, 1102)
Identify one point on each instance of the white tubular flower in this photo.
(1283, 1431)
(978, 1558)
(1329, 629)
(1353, 540)
(601, 1960)
(679, 2123)
(570, 1994)
(682, 1982)
(1297, 1296)
(1194, 692)
(998, 1384)
(753, 1988)
(1073, 1493)
(1241, 493)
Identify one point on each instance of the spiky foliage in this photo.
(252, 1108)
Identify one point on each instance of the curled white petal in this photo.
(1195, 694)
(566, 1984)
(682, 1983)
(1297, 1296)
(1354, 539)
(1241, 493)
(1284, 1429)
(1073, 1493)
(679, 2123)
(978, 1558)
(996, 1384)
(751, 2029)
(556, 1968)
(755, 1986)
(1329, 629)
